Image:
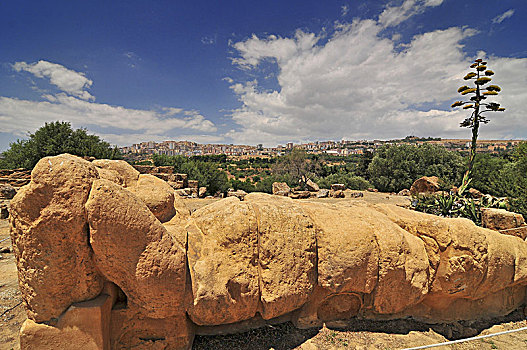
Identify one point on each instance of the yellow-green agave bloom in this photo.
(481, 68)
(482, 80)
(463, 88)
(470, 75)
(490, 93)
(489, 72)
(468, 106)
(473, 65)
(501, 109)
(457, 104)
(468, 91)
(493, 88)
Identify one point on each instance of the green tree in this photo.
(52, 139)
(480, 76)
(296, 167)
(395, 167)
(207, 175)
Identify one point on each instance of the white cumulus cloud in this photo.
(358, 84)
(67, 80)
(131, 125)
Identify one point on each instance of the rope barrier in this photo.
(467, 339)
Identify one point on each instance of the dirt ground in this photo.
(355, 334)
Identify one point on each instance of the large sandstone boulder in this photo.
(425, 184)
(50, 237)
(95, 263)
(157, 195)
(223, 262)
(504, 221)
(133, 250)
(117, 171)
(468, 262)
(312, 186)
(281, 189)
(287, 253)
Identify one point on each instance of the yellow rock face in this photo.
(223, 263)
(78, 225)
(50, 236)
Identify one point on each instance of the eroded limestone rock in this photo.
(79, 225)
(50, 237)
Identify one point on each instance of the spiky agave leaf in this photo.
(482, 80)
(468, 91)
(493, 88)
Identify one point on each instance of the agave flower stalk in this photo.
(480, 77)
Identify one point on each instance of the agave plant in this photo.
(480, 77)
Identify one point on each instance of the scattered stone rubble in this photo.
(15, 177)
(180, 182)
(312, 190)
(504, 221)
(125, 270)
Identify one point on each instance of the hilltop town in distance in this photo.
(337, 148)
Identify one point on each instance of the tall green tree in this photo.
(395, 167)
(480, 77)
(52, 139)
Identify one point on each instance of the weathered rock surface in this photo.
(323, 193)
(300, 194)
(338, 187)
(157, 195)
(281, 189)
(287, 253)
(240, 194)
(223, 262)
(117, 169)
(7, 191)
(50, 236)
(133, 250)
(425, 184)
(312, 186)
(263, 258)
(508, 223)
(337, 194)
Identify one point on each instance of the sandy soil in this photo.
(12, 310)
(356, 334)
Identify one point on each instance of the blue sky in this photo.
(256, 71)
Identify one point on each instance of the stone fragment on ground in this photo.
(281, 189)
(425, 184)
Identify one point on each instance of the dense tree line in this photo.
(52, 139)
(395, 167)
